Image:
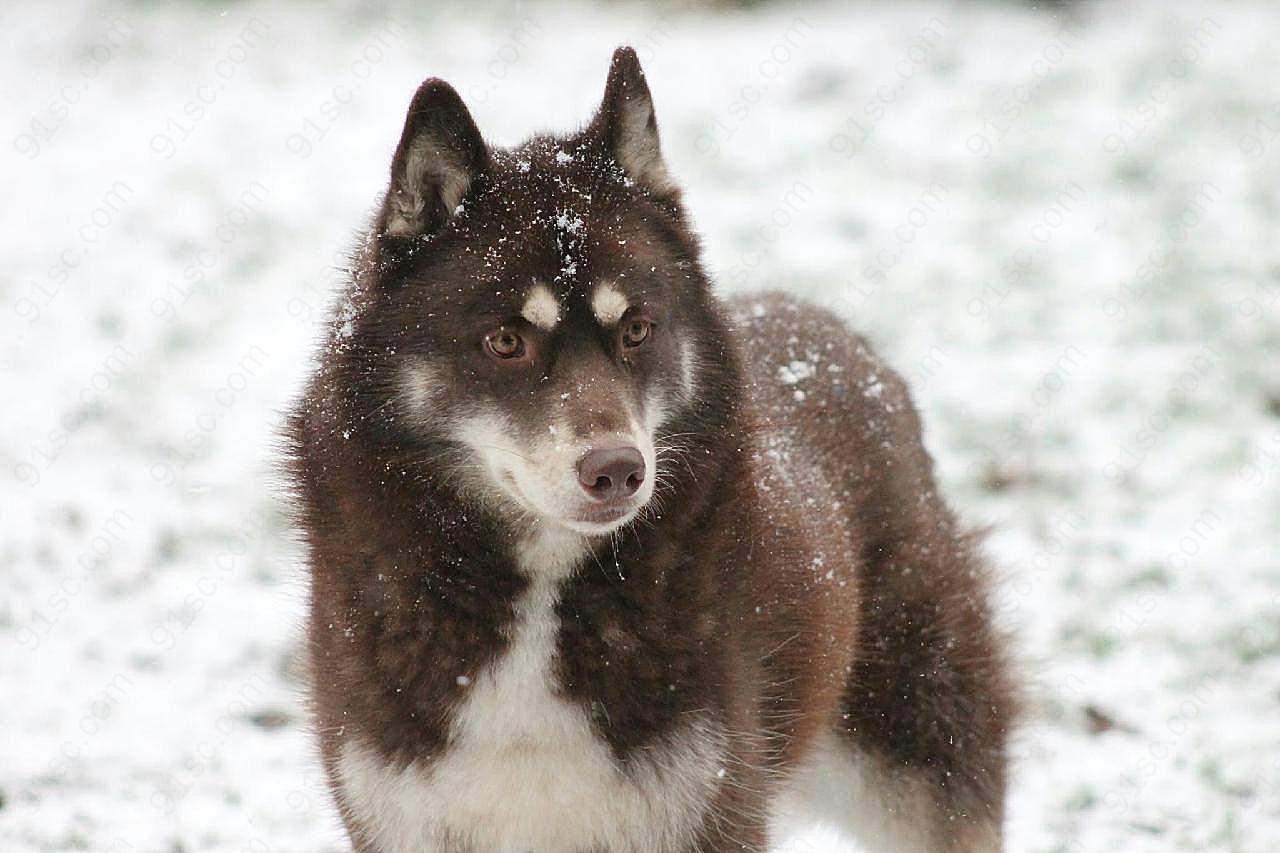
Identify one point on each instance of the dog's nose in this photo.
(611, 473)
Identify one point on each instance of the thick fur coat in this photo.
(601, 563)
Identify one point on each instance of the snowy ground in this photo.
(1063, 229)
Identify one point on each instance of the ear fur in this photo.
(440, 155)
(628, 127)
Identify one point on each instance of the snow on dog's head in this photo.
(532, 317)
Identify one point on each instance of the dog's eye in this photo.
(504, 344)
(636, 331)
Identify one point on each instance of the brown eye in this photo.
(636, 331)
(504, 344)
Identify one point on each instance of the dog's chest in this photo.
(524, 768)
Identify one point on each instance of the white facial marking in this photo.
(688, 370)
(656, 411)
(608, 303)
(525, 769)
(539, 476)
(541, 308)
(419, 384)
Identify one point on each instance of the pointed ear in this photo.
(627, 125)
(439, 156)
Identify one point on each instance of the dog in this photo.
(602, 564)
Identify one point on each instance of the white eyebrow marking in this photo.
(541, 308)
(608, 303)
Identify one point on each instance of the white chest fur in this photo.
(524, 770)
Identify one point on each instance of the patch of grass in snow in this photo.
(1156, 575)
(1258, 642)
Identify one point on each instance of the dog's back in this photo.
(599, 564)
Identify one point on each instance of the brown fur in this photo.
(802, 576)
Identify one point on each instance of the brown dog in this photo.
(601, 564)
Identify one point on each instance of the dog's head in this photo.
(535, 318)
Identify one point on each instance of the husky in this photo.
(602, 564)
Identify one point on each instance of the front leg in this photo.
(726, 831)
(737, 818)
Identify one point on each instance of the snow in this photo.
(795, 371)
(1062, 231)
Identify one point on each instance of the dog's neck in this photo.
(548, 551)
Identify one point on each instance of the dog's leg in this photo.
(920, 740)
(885, 809)
(732, 832)
(736, 819)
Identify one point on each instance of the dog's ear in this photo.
(627, 126)
(440, 155)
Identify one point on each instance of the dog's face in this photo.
(535, 332)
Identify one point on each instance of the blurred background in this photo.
(1060, 221)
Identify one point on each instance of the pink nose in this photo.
(611, 473)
